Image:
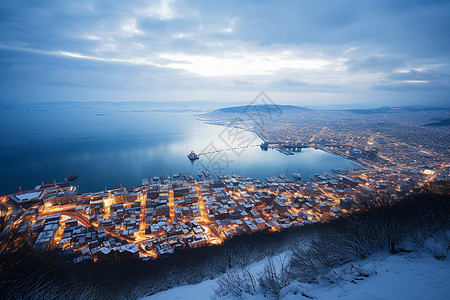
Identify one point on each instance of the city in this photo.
(182, 149)
(167, 213)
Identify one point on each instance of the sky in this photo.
(308, 53)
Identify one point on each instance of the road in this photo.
(82, 219)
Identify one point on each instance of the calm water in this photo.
(109, 146)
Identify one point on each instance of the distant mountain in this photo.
(281, 108)
(445, 122)
(262, 108)
(393, 110)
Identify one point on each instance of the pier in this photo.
(294, 147)
(285, 148)
(227, 149)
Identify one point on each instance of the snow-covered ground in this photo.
(415, 275)
(402, 276)
(205, 289)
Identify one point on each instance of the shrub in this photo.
(236, 283)
(275, 278)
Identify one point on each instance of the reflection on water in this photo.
(109, 147)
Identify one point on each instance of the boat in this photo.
(73, 177)
(199, 174)
(192, 156)
(340, 171)
(297, 176)
(188, 177)
(176, 175)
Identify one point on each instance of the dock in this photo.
(227, 149)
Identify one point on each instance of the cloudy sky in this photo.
(299, 52)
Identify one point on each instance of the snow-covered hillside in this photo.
(415, 275)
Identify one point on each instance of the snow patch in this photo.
(415, 275)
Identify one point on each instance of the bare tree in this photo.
(236, 283)
(275, 278)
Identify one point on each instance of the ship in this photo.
(73, 177)
(297, 176)
(189, 177)
(192, 156)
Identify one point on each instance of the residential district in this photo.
(169, 213)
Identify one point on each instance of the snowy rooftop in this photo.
(25, 197)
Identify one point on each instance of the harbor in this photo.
(110, 161)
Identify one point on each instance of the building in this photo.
(349, 181)
(280, 206)
(249, 226)
(162, 210)
(120, 196)
(346, 203)
(60, 198)
(323, 207)
(27, 199)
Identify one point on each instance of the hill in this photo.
(445, 122)
(393, 110)
(261, 108)
(380, 276)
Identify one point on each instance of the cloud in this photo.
(420, 75)
(374, 64)
(415, 80)
(162, 9)
(242, 63)
(243, 82)
(291, 83)
(130, 27)
(411, 86)
(211, 48)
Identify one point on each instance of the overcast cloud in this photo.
(299, 52)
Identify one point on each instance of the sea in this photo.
(110, 145)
